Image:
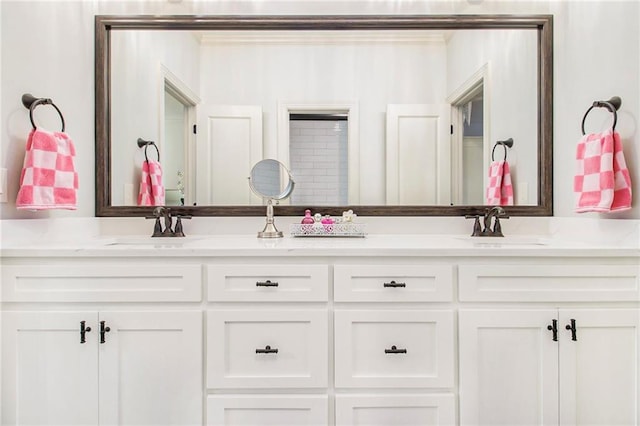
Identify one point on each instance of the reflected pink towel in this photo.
(499, 188)
(602, 182)
(49, 179)
(151, 189)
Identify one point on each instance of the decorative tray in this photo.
(348, 229)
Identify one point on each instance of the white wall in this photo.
(596, 56)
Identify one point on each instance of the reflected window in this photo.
(318, 158)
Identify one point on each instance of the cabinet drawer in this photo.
(267, 349)
(102, 283)
(393, 283)
(268, 283)
(392, 410)
(281, 410)
(405, 349)
(549, 283)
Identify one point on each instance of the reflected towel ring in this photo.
(31, 102)
(505, 144)
(613, 105)
(142, 142)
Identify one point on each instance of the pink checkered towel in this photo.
(49, 179)
(499, 188)
(602, 182)
(151, 189)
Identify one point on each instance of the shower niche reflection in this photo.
(318, 155)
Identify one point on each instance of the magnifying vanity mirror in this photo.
(270, 180)
(384, 115)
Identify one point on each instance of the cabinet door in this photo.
(508, 368)
(395, 410)
(267, 410)
(48, 376)
(600, 371)
(151, 368)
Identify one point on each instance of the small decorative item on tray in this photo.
(326, 226)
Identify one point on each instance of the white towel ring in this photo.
(612, 105)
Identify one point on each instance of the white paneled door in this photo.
(417, 160)
(230, 145)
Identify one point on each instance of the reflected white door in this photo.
(418, 152)
(231, 145)
(600, 370)
(48, 376)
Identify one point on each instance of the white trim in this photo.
(190, 100)
(479, 80)
(353, 137)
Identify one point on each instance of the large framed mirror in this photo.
(384, 115)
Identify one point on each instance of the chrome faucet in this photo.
(165, 213)
(494, 213)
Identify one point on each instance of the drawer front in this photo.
(392, 410)
(268, 283)
(405, 349)
(393, 283)
(102, 283)
(549, 283)
(267, 349)
(275, 410)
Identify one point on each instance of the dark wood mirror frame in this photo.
(542, 23)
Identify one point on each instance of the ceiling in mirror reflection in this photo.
(400, 81)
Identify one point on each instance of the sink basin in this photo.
(152, 241)
(512, 240)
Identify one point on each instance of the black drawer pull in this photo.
(394, 284)
(83, 330)
(395, 350)
(267, 350)
(267, 283)
(103, 330)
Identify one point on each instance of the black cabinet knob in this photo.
(394, 350)
(394, 284)
(83, 331)
(267, 350)
(572, 327)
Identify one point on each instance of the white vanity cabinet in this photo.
(99, 362)
(353, 332)
(569, 364)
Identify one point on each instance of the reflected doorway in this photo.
(472, 152)
(470, 139)
(319, 158)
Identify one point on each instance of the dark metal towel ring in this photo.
(612, 105)
(505, 144)
(31, 102)
(142, 142)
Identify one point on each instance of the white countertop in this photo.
(540, 237)
(372, 245)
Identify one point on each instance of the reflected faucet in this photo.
(496, 213)
(165, 213)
